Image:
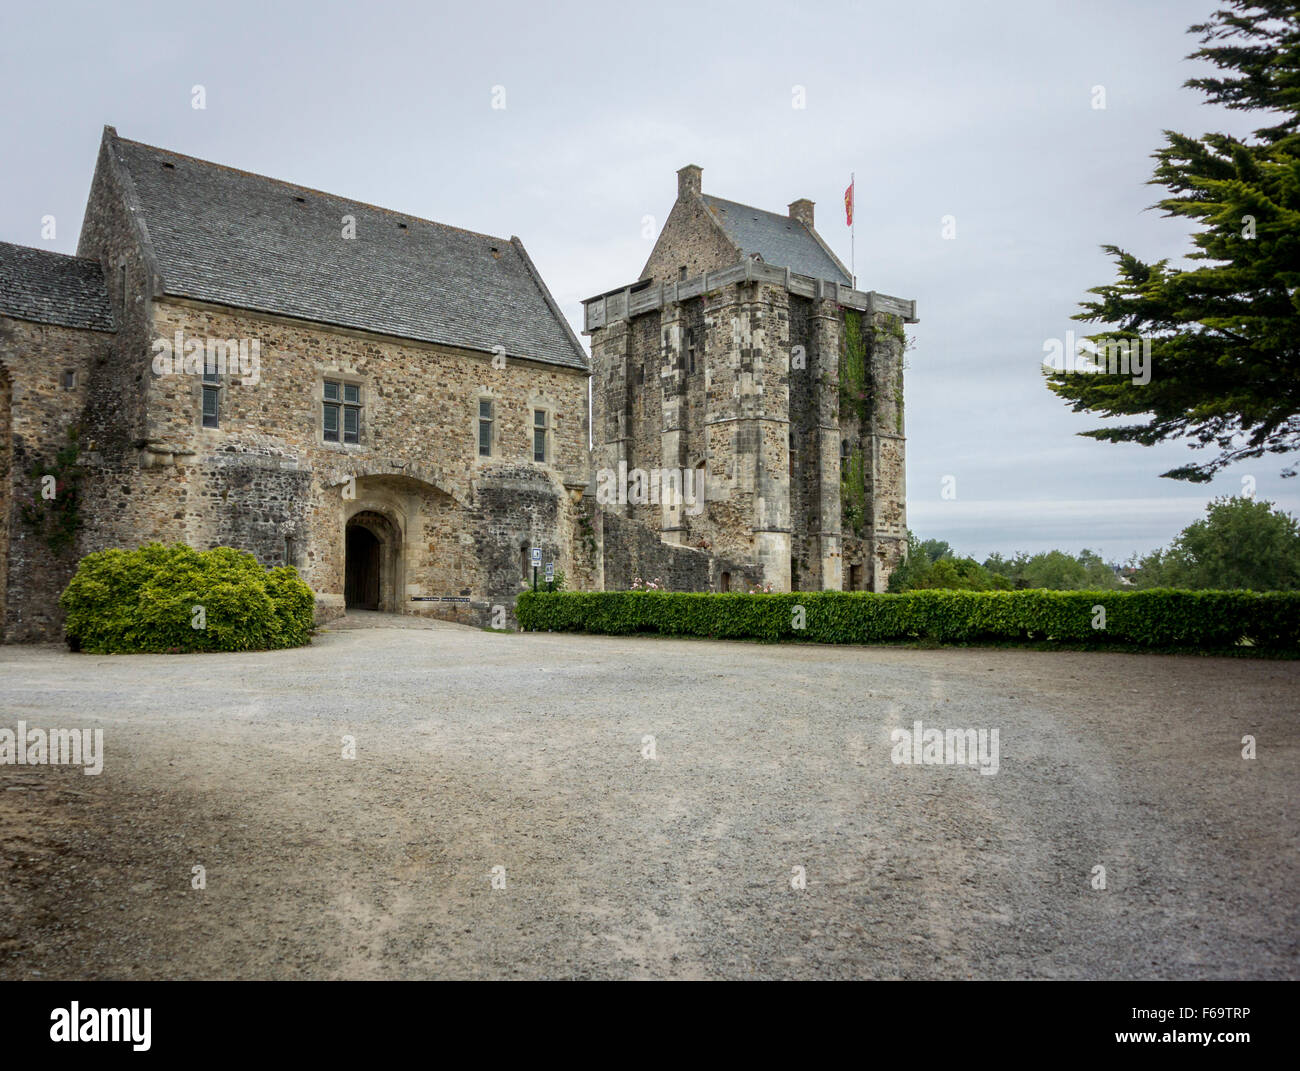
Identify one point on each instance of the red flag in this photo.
(848, 206)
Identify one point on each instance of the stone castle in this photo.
(399, 408)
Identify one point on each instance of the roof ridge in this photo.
(734, 211)
(751, 208)
(308, 189)
(50, 252)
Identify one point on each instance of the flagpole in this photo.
(853, 231)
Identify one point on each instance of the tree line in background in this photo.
(1241, 543)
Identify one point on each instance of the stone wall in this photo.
(886, 491)
(111, 232)
(266, 481)
(631, 550)
(38, 411)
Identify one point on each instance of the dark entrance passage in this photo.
(361, 581)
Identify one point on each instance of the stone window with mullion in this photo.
(341, 412)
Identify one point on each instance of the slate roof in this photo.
(51, 288)
(781, 241)
(227, 236)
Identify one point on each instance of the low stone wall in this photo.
(631, 549)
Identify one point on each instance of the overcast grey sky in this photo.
(983, 112)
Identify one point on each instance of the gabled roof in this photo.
(51, 288)
(781, 241)
(226, 236)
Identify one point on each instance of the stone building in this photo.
(394, 406)
(399, 409)
(57, 331)
(743, 361)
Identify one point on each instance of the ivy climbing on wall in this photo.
(855, 408)
(54, 514)
(853, 492)
(855, 370)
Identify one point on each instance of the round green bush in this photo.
(176, 599)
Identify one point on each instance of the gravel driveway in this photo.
(477, 750)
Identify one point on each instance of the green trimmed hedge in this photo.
(130, 601)
(1155, 619)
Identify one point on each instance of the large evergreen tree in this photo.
(1225, 330)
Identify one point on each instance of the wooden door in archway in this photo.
(361, 580)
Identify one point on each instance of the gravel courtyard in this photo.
(477, 750)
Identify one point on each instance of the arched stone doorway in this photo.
(370, 570)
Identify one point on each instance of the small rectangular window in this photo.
(690, 350)
(539, 436)
(70, 380)
(485, 428)
(211, 403)
(211, 369)
(341, 412)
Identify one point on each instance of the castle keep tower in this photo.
(743, 358)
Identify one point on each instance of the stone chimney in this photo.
(802, 210)
(688, 181)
